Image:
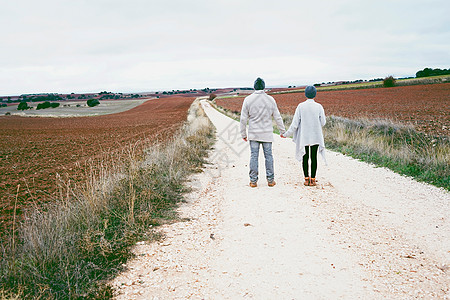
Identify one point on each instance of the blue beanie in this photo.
(259, 84)
(310, 92)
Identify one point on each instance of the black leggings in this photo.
(314, 149)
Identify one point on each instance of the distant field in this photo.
(371, 84)
(34, 150)
(427, 107)
(75, 108)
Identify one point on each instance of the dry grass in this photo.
(396, 146)
(68, 249)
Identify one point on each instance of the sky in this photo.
(81, 46)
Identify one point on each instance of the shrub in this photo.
(47, 104)
(23, 106)
(93, 102)
(389, 81)
(212, 96)
(4, 105)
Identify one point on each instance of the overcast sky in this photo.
(68, 46)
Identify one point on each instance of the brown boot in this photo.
(306, 181)
(253, 184)
(312, 182)
(271, 183)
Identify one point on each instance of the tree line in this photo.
(432, 72)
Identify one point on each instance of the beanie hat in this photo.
(310, 92)
(259, 84)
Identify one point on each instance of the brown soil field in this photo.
(34, 150)
(427, 107)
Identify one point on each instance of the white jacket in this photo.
(306, 127)
(258, 109)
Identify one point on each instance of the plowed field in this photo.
(34, 150)
(427, 107)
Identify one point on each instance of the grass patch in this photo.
(384, 143)
(73, 246)
(398, 147)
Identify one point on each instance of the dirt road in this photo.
(362, 233)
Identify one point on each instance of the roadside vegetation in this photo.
(384, 143)
(398, 147)
(70, 248)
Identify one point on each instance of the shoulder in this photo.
(249, 98)
(272, 100)
(270, 97)
(301, 104)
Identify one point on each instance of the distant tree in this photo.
(43, 105)
(389, 81)
(93, 102)
(23, 106)
(432, 72)
(47, 104)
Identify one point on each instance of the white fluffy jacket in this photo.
(306, 127)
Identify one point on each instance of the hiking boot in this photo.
(306, 181)
(253, 184)
(271, 183)
(312, 182)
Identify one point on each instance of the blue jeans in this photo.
(254, 154)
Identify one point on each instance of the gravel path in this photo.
(362, 233)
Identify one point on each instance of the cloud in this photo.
(133, 45)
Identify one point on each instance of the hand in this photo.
(245, 139)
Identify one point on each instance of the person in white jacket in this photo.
(306, 127)
(258, 109)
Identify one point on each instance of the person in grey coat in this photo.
(258, 110)
(306, 127)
